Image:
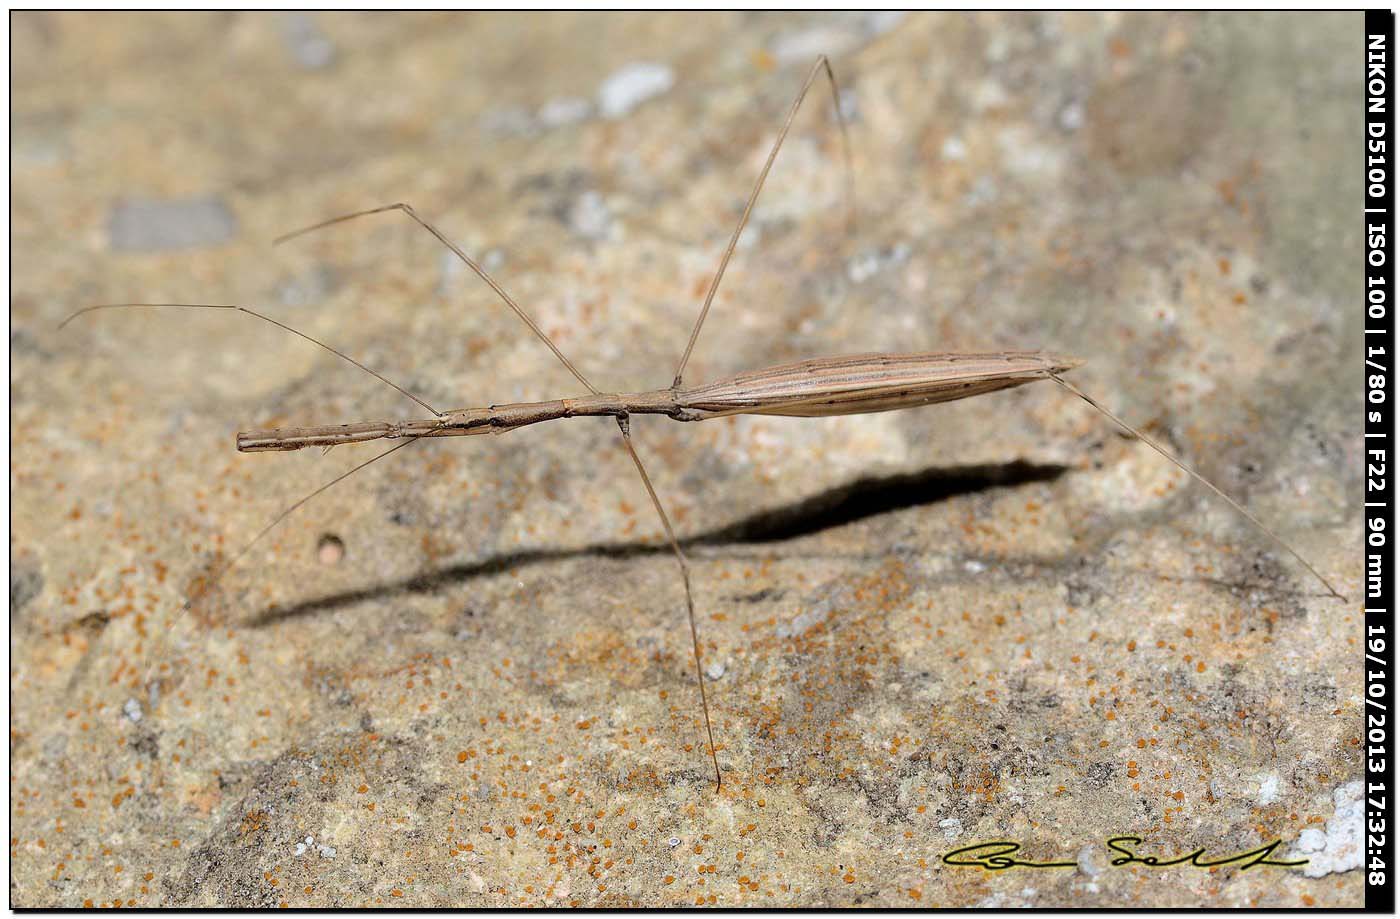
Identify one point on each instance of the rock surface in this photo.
(991, 620)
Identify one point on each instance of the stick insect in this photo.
(814, 388)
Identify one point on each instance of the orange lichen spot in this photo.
(462, 756)
(1132, 645)
(915, 894)
(396, 892)
(1201, 667)
(362, 789)
(584, 725)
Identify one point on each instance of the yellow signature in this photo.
(1000, 856)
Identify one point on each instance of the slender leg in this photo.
(466, 259)
(1199, 478)
(822, 64)
(625, 428)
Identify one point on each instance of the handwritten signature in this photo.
(999, 856)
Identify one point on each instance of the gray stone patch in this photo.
(308, 45)
(156, 225)
(26, 583)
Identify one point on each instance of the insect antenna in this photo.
(821, 65)
(243, 309)
(1199, 478)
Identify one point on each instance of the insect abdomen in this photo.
(862, 383)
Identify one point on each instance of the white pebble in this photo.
(881, 21)
(1090, 861)
(1269, 788)
(806, 44)
(1071, 117)
(590, 217)
(132, 708)
(634, 84)
(557, 113)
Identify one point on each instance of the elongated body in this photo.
(848, 385)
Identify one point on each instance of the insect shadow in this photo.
(866, 497)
